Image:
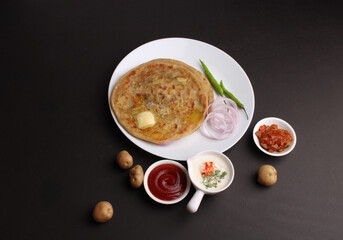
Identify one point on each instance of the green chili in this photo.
(230, 95)
(213, 81)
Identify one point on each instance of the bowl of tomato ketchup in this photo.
(167, 182)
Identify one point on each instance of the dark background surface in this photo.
(59, 141)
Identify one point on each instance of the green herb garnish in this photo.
(212, 180)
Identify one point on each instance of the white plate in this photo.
(222, 66)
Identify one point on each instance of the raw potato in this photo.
(124, 160)
(267, 175)
(136, 176)
(102, 212)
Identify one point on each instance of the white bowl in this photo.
(281, 125)
(158, 163)
(194, 203)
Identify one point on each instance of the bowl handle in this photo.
(194, 203)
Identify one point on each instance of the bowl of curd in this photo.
(211, 172)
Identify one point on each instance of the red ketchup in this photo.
(167, 182)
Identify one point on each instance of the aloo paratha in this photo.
(175, 95)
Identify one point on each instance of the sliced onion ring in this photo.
(222, 119)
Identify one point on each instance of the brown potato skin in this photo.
(102, 212)
(136, 176)
(267, 175)
(124, 160)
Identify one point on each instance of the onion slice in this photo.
(222, 119)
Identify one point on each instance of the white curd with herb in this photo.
(209, 172)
